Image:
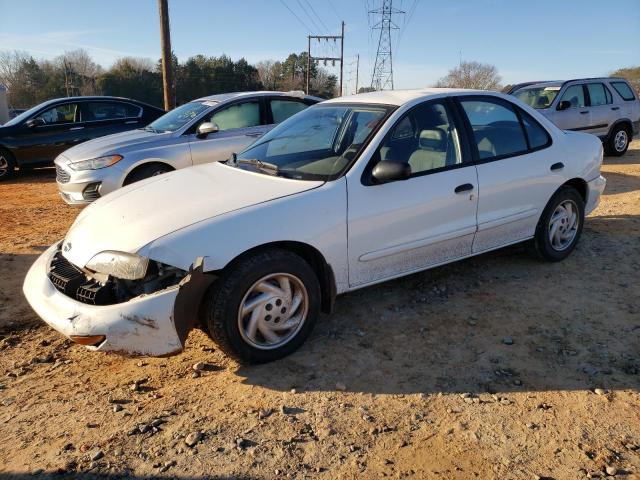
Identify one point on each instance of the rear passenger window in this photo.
(598, 94)
(496, 128)
(537, 135)
(109, 111)
(624, 90)
(283, 109)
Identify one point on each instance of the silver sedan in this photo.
(209, 129)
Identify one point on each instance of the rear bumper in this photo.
(595, 188)
(143, 325)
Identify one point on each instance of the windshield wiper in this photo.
(149, 128)
(266, 167)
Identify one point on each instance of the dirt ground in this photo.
(495, 367)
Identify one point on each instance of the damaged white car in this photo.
(350, 192)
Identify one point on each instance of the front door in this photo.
(577, 116)
(239, 125)
(428, 219)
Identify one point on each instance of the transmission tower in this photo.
(382, 77)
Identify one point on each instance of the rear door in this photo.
(59, 130)
(104, 117)
(577, 116)
(239, 124)
(517, 172)
(601, 107)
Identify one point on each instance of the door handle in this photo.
(130, 122)
(259, 134)
(557, 166)
(584, 112)
(615, 108)
(75, 128)
(466, 187)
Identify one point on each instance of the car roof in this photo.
(560, 83)
(400, 97)
(93, 97)
(223, 97)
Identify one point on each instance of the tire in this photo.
(7, 164)
(245, 281)
(618, 141)
(549, 248)
(146, 171)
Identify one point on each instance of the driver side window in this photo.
(240, 115)
(65, 113)
(575, 96)
(425, 138)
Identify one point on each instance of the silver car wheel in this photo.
(273, 311)
(563, 225)
(4, 166)
(620, 141)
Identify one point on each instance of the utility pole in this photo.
(167, 64)
(382, 76)
(340, 59)
(357, 70)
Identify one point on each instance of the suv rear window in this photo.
(624, 90)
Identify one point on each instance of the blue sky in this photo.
(536, 39)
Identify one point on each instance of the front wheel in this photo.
(264, 307)
(560, 225)
(146, 171)
(618, 142)
(7, 164)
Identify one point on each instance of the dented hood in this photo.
(129, 218)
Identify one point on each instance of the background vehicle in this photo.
(348, 193)
(37, 136)
(606, 107)
(208, 129)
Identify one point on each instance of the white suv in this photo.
(606, 107)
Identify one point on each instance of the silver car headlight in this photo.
(128, 266)
(96, 163)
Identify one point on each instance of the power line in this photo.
(316, 14)
(306, 12)
(296, 16)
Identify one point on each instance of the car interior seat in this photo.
(431, 152)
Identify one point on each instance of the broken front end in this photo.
(118, 302)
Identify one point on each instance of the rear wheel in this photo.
(264, 307)
(7, 164)
(618, 141)
(146, 171)
(560, 225)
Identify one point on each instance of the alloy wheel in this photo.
(620, 141)
(563, 225)
(273, 311)
(4, 166)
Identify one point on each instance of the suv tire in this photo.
(618, 140)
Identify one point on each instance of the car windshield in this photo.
(537, 97)
(318, 143)
(23, 116)
(178, 117)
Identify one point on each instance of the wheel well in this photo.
(137, 168)
(626, 123)
(314, 258)
(580, 185)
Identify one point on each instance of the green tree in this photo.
(632, 74)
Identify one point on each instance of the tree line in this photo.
(30, 81)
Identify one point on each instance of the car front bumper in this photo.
(595, 190)
(143, 325)
(81, 187)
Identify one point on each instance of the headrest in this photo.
(432, 140)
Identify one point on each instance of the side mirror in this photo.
(34, 122)
(205, 128)
(387, 171)
(564, 104)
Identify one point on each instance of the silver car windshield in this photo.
(318, 143)
(537, 97)
(177, 118)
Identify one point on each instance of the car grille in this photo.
(71, 281)
(62, 176)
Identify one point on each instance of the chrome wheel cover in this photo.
(620, 141)
(273, 311)
(563, 225)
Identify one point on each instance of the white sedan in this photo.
(350, 192)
